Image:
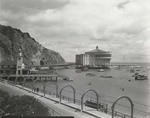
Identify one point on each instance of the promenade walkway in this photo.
(63, 109)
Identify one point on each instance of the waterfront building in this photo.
(94, 58)
(79, 59)
(8, 67)
(13, 66)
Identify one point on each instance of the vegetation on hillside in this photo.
(21, 105)
(12, 39)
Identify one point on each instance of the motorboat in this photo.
(90, 74)
(135, 74)
(100, 70)
(141, 77)
(106, 76)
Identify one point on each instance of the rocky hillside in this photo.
(12, 39)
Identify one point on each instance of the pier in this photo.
(46, 77)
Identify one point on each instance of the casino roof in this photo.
(97, 51)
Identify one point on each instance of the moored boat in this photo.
(100, 70)
(135, 74)
(90, 74)
(106, 76)
(141, 77)
(78, 71)
(84, 69)
(132, 71)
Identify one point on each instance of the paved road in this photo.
(63, 110)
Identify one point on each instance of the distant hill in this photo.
(12, 39)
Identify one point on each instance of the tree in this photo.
(21, 105)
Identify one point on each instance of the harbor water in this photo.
(122, 83)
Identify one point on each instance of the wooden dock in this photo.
(51, 77)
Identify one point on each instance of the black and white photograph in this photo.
(74, 58)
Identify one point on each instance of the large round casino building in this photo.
(94, 58)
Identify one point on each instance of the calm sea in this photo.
(109, 89)
(143, 64)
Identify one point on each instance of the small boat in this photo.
(78, 71)
(84, 69)
(132, 71)
(141, 77)
(106, 76)
(100, 70)
(90, 74)
(135, 74)
(67, 79)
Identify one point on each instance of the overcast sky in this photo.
(71, 27)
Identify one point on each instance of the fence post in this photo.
(106, 108)
(44, 91)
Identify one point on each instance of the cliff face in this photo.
(11, 40)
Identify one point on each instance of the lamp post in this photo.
(90, 88)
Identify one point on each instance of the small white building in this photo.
(14, 67)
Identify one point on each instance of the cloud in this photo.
(120, 26)
(15, 12)
(17, 6)
(122, 5)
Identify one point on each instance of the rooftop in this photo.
(97, 51)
